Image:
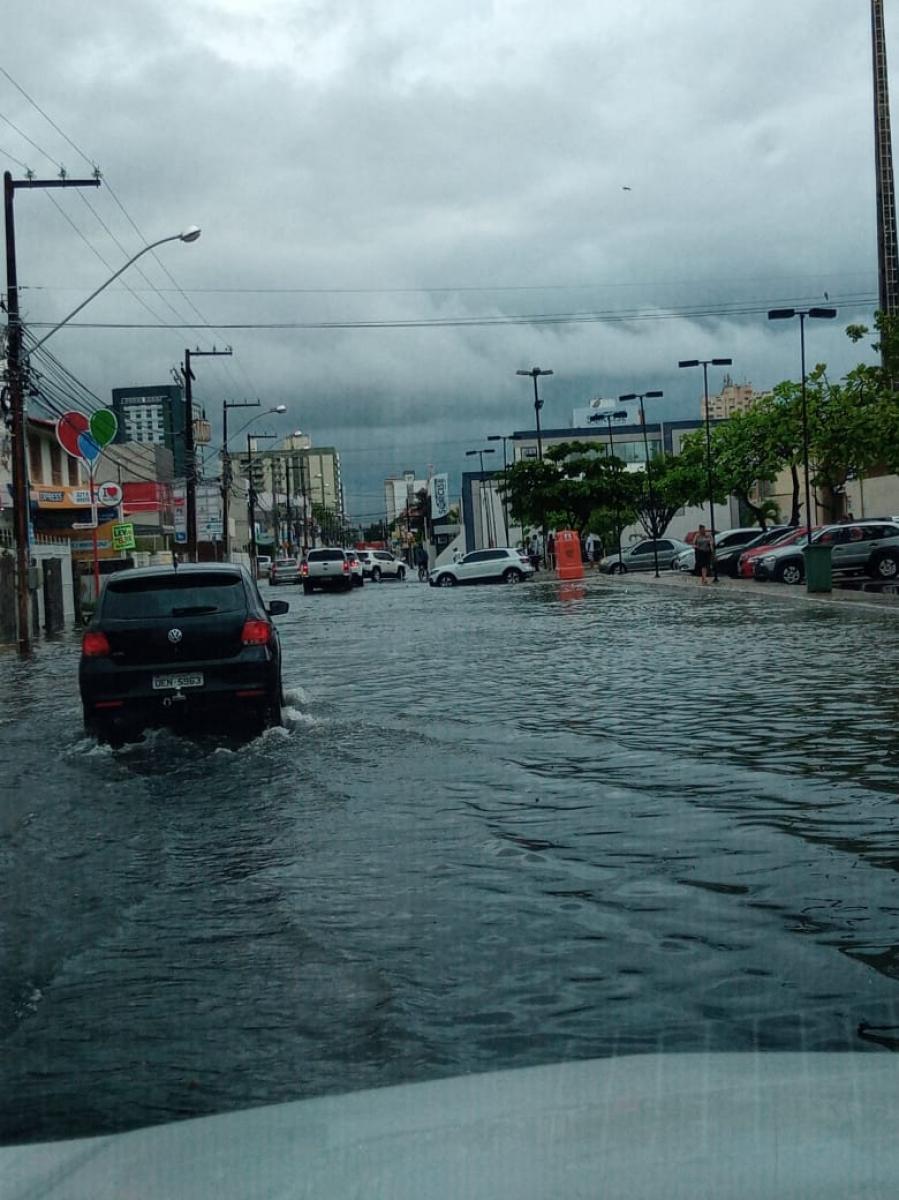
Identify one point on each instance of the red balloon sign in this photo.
(69, 428)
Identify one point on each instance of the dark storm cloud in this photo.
(467, 145)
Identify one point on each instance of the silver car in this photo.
(640, 557)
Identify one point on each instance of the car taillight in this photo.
(256, 633)
(304, 569)
(95, 645)
(346, 566)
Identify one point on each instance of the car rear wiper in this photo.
(194, 610)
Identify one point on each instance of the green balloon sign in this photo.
(103, 427)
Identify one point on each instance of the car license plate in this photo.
(164, 683)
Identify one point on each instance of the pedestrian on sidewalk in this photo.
(703, 548)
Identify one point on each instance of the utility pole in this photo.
(15, 368)
(227, 474)
(190, 464)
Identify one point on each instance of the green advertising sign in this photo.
(123, 536)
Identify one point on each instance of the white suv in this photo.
(379, 564)
(483, 566)
(326, 567)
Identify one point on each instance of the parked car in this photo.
(503, 565)
(640, 557)
(862, 546)
(729, 545)
(791, 536)
(381, 564)
(328, 568)
(169, 644)
(356, 572)
(263, 566)
(285, 570)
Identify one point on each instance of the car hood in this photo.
(752, 1126)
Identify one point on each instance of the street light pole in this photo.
(535, 373)
(227, 473)
(652, 500)
(251, 497)
(785, 314)
(608, 418)
(704, 363)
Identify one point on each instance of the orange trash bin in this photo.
(569, 564)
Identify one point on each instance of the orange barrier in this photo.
(568, 555)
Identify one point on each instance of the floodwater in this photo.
(503, 826)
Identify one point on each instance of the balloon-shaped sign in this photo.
(103, 427)
(84, 437)
(69, 428)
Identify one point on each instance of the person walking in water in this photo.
(702, 545)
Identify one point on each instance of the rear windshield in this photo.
(173, 596)
(286, 562)
(325, 555)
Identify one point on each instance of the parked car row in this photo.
(869, 547)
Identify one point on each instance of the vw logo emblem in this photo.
(175, 636)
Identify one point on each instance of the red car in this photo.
(747, 558)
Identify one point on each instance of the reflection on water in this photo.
(502, 827)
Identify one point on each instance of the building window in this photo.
(35, 461)
(74, 479)
(55, 464)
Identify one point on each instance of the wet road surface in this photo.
(503, 826)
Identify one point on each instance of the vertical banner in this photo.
(179, 507)
(439, 489)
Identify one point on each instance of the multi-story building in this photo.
(156, 415)
(400, 491)
(733, 398)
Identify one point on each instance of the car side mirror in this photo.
(277, 608)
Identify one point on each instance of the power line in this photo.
(17, 161)
(612, 316)
(47, 118)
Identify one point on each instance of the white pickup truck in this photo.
(326, 567)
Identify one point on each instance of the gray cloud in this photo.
(381, 147)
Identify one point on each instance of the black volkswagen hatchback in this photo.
(187, 644)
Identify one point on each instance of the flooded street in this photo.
(503, 826)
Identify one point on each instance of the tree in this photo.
(666, 484)
(565, 487)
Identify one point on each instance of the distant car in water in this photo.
(285, 570)
(169, 644)
(263, 566)
(640, 557)
(501, 565)
(328, 568)
(381, 564)
(356, 572)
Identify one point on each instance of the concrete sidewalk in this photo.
(775, 592)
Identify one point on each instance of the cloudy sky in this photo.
(664, 170)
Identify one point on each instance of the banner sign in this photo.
(179, 502)
(439, 496)
(123, 536)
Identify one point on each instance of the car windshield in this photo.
(172, 596)
(592, 845)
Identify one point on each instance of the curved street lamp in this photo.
(226, 460)
(704, 363)
(641, 396)
(786, 314)
(190, 234)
